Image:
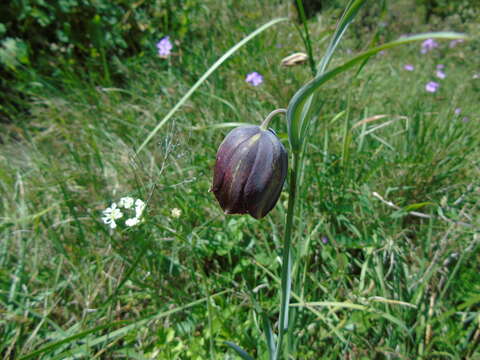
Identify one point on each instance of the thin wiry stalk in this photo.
(306, 38)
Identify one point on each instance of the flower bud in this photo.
(250, 170)
(295, 59)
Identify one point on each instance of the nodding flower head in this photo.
(250, 171)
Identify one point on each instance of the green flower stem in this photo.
(287, 258)
(264, 125)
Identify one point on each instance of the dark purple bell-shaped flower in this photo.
(250, 171)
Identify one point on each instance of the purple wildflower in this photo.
(454, 43)
(465, 119)
(409, 67)
(441, 74)
(254, 78)
(432, 86)
(440, 67)
(458, 111)
(164, 47)
(324, 239)
(476, 76)
(428, 45)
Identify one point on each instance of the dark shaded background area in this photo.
(42, 41)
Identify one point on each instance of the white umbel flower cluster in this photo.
(176, 213)
(113, 213)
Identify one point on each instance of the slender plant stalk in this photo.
(264, 125)
(210, 317)
(287, 257)
(306, 38)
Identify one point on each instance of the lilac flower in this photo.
(254, 78)
(441, 74)
(476, 76)
(440, 67)
(465, 119)
(409, 67)
(432, 86)
(324, 239)
(428, 45)
(454, 43)
(164, 47)
(458, 111)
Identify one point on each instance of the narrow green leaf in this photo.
(306, 37)
(347, 305)
(335, 304)
(396, 321)
(288, 282)
(128, 326)
(242, 353)
(298, 298)
(413, 207)
(336, 117)
(350, 12)
(297, 127)
(199, 82)
(220, 125)
(131, 354)
(267, 330)
(223, 101)
(298, 101)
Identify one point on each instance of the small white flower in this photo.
(111, 214)
(139, 207)
(126, 202)
(176, 213)
(132, 222)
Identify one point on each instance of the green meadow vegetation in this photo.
(386, 242)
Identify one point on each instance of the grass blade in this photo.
(306, 38)
(242, 353)
(351, 11)
(296, 127)
(296, 107)
(119, 332)
(199, 82)
(267, 329)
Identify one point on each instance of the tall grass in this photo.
(375, 280)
